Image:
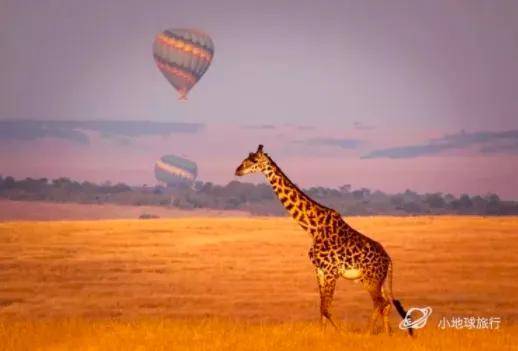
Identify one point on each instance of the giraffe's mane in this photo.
(306, 197)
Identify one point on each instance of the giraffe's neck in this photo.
(307, 212)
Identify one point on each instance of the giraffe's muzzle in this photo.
(239, 171)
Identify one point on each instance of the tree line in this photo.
(257, 199)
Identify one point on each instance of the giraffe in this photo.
(338, 250)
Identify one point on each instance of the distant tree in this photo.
(397, 200)
(479, 204)
(465, 202)
(207, 187)
(494, 205)
(361, 193)
(158, 190)
(62, 182)
(434, 200)
(9, 183)
(448, 198)
(345, 189)
(265, 191)
(412, 208)
(120, 188)
(32, 185)
(255, 198)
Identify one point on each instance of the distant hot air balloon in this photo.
(183, 56)
(175, 171)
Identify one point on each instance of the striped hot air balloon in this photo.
(175, 171)
(183, 56)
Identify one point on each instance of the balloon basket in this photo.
(182, 96)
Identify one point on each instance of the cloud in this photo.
(26, 130)
(487, 142)
(501, 148)
(259, 126)
(342, 143)
(74, 130)
(360, 126)
(132, 128)
(302, 127)
(305, 127)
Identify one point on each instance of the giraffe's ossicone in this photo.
(337, 250)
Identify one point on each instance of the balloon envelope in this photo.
(183, 56)
(175, 171)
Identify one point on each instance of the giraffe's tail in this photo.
(397, 304)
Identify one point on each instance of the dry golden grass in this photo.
(44, 211)
(213, 334)
(244, 284)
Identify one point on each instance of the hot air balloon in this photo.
(183, 56)
(175, 171)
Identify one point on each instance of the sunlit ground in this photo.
(244, 284)
(210, 334)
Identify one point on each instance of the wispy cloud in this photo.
(342, 143)
(305, 127)
(75, 130)
(137, 128)
(259, 126)
(361, 126)
(301, 127)
(486, 142)
(28, 130)
(510, 147)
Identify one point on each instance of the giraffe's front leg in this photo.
(326, 285)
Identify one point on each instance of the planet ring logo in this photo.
(418, 323)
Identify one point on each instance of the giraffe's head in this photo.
(255, 162)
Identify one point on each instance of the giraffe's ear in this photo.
(260, 149)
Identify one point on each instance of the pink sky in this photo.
(355, 90)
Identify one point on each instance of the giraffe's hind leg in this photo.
(381, 306)
(386, 313)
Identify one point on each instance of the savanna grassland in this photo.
(245, 284)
